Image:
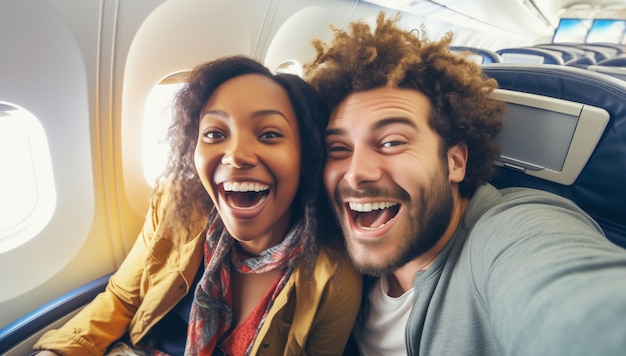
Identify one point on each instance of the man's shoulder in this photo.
(510, 212)
(487, 198)
(495, 195)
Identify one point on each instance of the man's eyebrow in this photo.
(393, 120)
(339, 132)
(376, 126)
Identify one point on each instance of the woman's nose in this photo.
(239, 153)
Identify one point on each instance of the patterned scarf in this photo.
(211, 310)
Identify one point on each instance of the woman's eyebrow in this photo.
(269, 112)
(259, 113)
(219, 113)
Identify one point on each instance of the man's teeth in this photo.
(245, 187)
(367, 207)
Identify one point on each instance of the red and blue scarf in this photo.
(211, 311)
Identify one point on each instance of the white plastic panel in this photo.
(553, 139)
(43, 71)
(175, 37)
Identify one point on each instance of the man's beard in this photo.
(428, 221)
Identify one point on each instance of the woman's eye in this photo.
(270, 135)
(213, 135)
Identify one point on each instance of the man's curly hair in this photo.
(390, 56)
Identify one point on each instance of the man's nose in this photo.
(364, 168)
(239, 152)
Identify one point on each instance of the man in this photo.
(459, 267)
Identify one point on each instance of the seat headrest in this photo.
(600, 189)
(618, 61)
(485, 55)
(615, 72)
(581, 61)
(530, 55)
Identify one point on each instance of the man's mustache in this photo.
(371, 192)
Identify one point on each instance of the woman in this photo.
(230, 259)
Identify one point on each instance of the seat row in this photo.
(606, 58)
(573, 54)
(564, 132)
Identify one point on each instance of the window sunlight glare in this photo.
(27, 191)
(157, 119)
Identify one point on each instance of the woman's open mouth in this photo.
(245, 195)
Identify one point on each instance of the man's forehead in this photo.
(382, 103)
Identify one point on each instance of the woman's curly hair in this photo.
(456, 87)
(187, 199)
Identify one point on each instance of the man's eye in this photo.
(336, 148)
(391, 144)
(337, 151)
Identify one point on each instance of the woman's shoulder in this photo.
(335, 264)
(331, 254)
(161, 209)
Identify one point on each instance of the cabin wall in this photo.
(85, 68)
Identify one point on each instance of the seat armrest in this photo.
(40, 318)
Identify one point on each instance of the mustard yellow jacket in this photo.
(313, 314)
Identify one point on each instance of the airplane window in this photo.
(157, 119)
(571, 30)
(27, 190)
(290, 66)
(606, 30)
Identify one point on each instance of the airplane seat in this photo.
(597, 184)
(529, 55)
(617, 61)
(599, 53)
(581, 62)
(610, 50)
(616, 48)
(567, 54)
(570, 49)
(616, 72)
(18, 337)
(479, 55)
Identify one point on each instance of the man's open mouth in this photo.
(245, 195)
(372, 216)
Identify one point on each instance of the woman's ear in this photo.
(457, 162)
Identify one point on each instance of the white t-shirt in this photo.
(383, 334)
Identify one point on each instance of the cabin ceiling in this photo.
(564, 4)
(587, 9)
(513, 16)
(516, 16)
